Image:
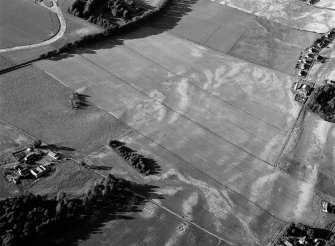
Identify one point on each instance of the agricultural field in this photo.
(245, 36)
(212, 115)
(291, 13)
(17, 28)
(75, 29)
(39, 105)
(205, 94)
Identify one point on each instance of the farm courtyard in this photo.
(204, 91)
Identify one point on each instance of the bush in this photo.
(322, 102)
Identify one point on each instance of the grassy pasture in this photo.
(68, 177)
(17, 27)
(39, 105)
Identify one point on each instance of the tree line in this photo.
(106, 13)
(322, 102)
(134, 159)
(112, 30)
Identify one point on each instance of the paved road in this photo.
(59, 34)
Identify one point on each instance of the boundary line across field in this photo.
(171, 212)
(194, 84)
(177, 156)
(181, 115)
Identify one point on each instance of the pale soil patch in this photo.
(306, 195)
(291, 13)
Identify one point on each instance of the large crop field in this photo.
(214, 115)
(257, 40)
(23, 22)
(214, 122)
(37, 104)
(204, 92)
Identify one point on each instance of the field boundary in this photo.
(210, 93)
(171, 212)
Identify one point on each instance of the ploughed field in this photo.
(23, 23)
(210, 112)
(206, 92)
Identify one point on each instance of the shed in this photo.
(54, 155)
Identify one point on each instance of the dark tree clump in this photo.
(322, 102)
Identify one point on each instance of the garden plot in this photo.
(291, 13)
(39, 105)
(17, 27)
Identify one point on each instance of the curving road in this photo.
(59, 34)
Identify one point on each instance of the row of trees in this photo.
(105, 13)
(134, 159)
(322, 102)
(110, 30)
(27, 217)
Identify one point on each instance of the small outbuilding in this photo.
(54, 155)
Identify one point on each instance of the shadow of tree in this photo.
(55, 147)
(100, 168)
(128, 198)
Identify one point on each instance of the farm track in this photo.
(59, 34)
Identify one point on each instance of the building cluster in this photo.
(31, 163)
(311, 54)
(302, 241)
(303, 89)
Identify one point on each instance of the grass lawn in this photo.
(36, 103)
(69, 177)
